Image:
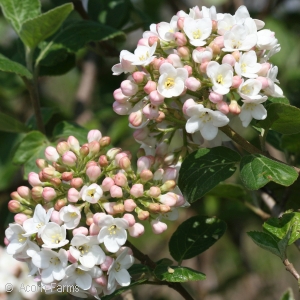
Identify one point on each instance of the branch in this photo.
(290, 267)
(145, 260)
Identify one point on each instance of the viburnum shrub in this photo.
(191, 85)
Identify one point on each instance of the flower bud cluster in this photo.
(194, 74)
(72, 225)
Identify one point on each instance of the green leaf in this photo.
(274, 138)
(78, 34)
(29, 147)
(7, 65)
(257, 170)
(19, 11)
(194, 236)
(138, 271)
(164, 262)
(177, 274)
(65, 129)
(288, 295)
(46, 112)
(229, 191)
(282, 118)
(123, 289)
(279, 100)
(291, 142)
(204, 169)
(10, 124)
(267, 242)
(40, 28)
(279, 227)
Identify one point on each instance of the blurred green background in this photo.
(236, 268)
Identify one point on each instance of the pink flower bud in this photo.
(137, 190)
(120, 179)
(170, 174)
(184, 52)
(119, 96)
(48, 194)
(121, 108)
(146, 175)
(116, 191)
(154, 192)
(264, 82)
(223, 107)
(143, 163)
(89, 219)
(151, 111)
(180, 200)
(107, 183)
(180, 23)
(34, 180)
(168, 186)
(36, 193)
(69, 159)
(119, 156)
(215, 97)
(215, 48)
(94, 229)
(102, 280)
(130, 219)
(93, 172)
(84, 151)
(15, 196)
(125, 163)
(62, 147)
(94, 147)
(164, 208)
(168, 199)
(152, 40)
(55, 217)
(229, 59)
(156, 63)
(73, 143)
(60, 204)
(129, 205)
(188, 103)
(73, 195)
(6, 241)
(15, 206)
(156, 98)
(219, 41)
(236, 54)
(203, 66)
(106, 264)
(136, 230)
(71, 259)
(189, 69)
(103, 162)
(67, 176)
(104, 141)
(192, 84)
(138, 77)
(234, 108)
(80, 230)
(94, 135)
(129, 88)
(41, 163)
(51, 153)
(143, 42)
(214, 26)
(150, 87)
(55, 182)
(24, 192)
(236, 81)
(180, 39)
(158, 227)
(111, 153)
(20, 218)
(136, 118)
(109, 207)
(175, 60)
(143, 215)
(264, 68)
(76, 183)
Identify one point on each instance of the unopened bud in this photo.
(234, 108)
(69, 159)
(20, 218)
(33, 179)
(94, 135)
(48, 194)
(76, 183)
(137, 190)
(116, 191)
(169, 185)
(94, 147)
(138, 77)
(60, 203)
(164, 208)
(129, 205)
(55, 181)
(84, 151)
(55, 218)
(136, 230)
(51, 153)
(103, 162)
(104, 141)
(120, 179)
(107, 183)
(73, 195)
(184, 52)
(15, 206)
(80, 230)
(154, 207)
(24, 192)
(67, 176)
(62, 147)
(143, 215)
(154, 192)
(129, 218)
(73, 143)
(36, 193)
(93, 172)
(158, 227)
(111, 153)
(118, 208)
(41, 163)
(146, 175)
(125, 163)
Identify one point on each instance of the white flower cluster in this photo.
(72, 226)
(192, 75)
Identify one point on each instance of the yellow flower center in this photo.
(246, 89)
(91, 192)
(54, 260)
(56, 238)
(112, 229)
(244, 67)
(169, 83)
(220, 79)
(197, 34)
(118, 267)
(83, 249)
(205, 117)
(144, 57)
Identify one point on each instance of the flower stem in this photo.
(145, 260)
